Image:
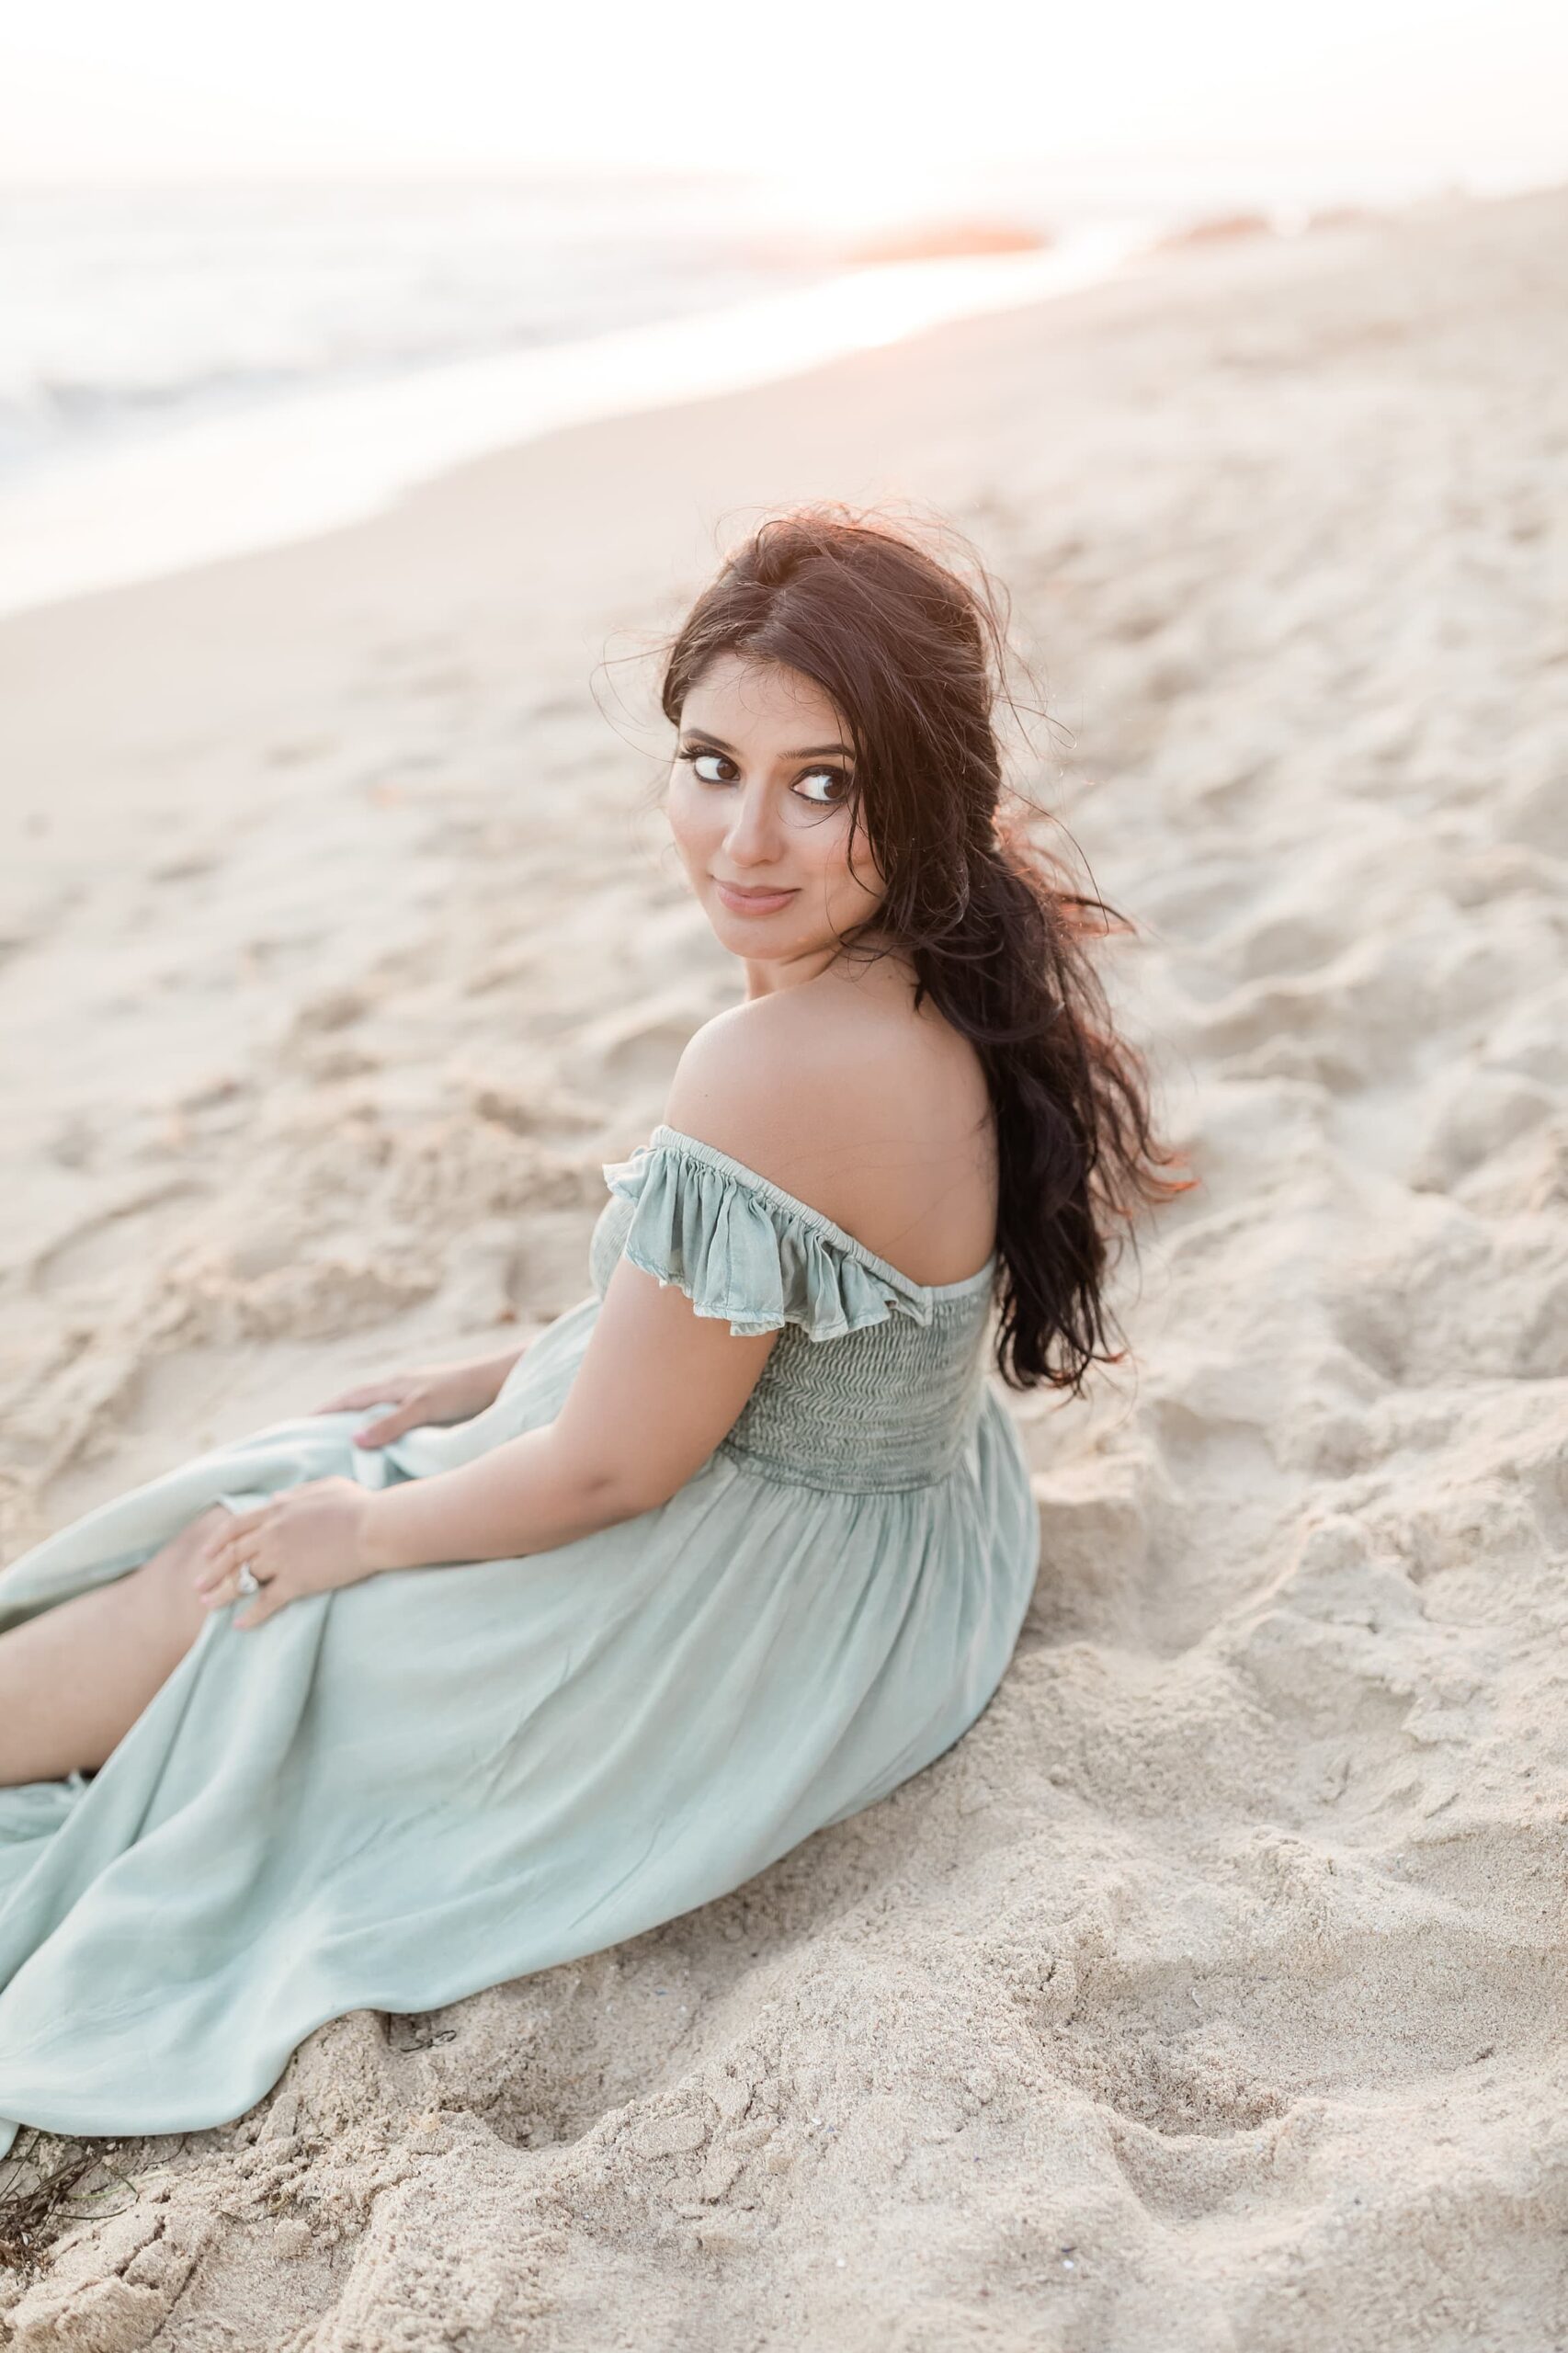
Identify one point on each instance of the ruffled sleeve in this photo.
(743, 1249)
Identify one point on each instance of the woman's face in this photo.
(756, 805)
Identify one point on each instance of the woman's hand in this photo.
(306, 1540)
(443, 1392)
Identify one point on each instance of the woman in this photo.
(374, 1709)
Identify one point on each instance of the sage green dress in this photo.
(394, 1795)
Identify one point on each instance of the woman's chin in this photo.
(749, 937)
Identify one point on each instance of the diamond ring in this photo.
(249, 1582)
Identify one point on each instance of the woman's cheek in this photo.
(863, 879)
(687, 829)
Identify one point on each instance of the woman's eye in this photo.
(697, 759)
(823, 788)
(834, 784)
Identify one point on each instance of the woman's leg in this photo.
(74, 1679)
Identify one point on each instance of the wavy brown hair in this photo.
(915, 658)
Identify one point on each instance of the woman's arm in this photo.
(658, 1387)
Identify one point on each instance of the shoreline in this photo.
(341, 950)
(264, 476)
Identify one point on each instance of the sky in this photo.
(826, 94)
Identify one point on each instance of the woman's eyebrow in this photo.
(812, 751)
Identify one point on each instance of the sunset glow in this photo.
(834, 102)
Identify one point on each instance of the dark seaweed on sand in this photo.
(36, 2196)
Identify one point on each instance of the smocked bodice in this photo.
(875, 1382)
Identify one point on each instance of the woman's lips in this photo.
(752, 902)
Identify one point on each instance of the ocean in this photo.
(188, 373)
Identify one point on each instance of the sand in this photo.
(1209, 1993)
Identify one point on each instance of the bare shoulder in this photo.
(760, 1082)
(846, 1099)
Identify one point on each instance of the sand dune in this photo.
(1211, 1993)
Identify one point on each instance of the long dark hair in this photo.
(915, 658)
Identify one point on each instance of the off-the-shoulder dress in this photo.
(398, 1792)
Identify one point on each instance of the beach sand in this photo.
(1209, 1993)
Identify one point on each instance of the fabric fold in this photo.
(743, 1250)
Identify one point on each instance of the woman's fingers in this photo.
(390, 1425)
(241, 1525)
(219, 1583)
(225, 1549)
(263, 1605)
(369, 1393)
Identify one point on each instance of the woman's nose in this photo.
(751, 837)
